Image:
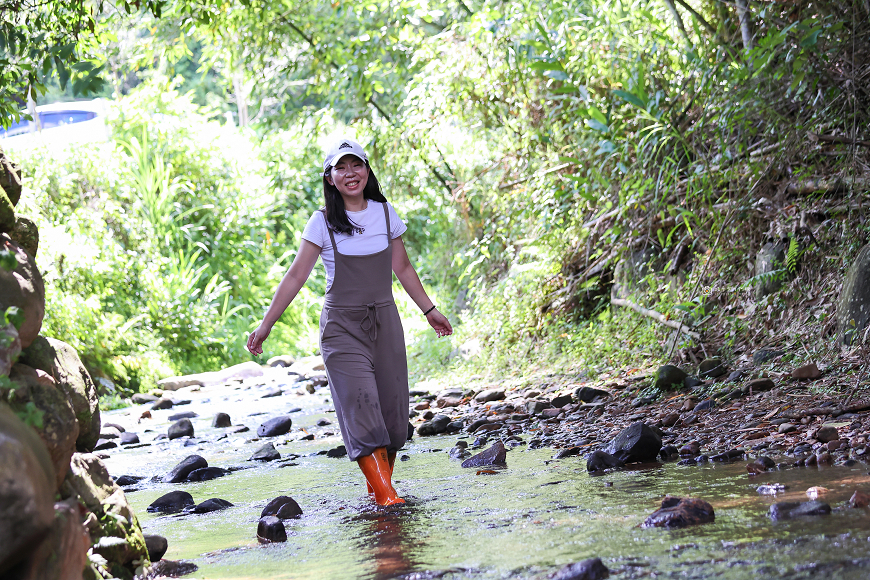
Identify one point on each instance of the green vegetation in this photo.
(546, 155)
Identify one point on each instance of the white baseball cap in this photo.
(341, 148)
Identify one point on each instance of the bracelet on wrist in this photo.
(428, 311)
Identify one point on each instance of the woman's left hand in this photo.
(440, 323)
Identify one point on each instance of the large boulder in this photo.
(26, 234)
(62, 362)
(769, 259)
(10, 348)
(22, 287)
(116, 529)
(63, 554)
(57, 426)
(27, 486)
(853, 307)
(636, 443)
(10, 178)
(680, 512)
(245, 370)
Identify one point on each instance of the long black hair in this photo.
(335, 214)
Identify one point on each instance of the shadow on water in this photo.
(525, 521)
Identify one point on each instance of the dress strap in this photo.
(329, 230)
(389, 231)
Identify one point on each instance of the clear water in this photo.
(522, 522)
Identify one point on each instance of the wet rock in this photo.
(337, 452)
(207, 474)
(23, 288)
(691, 382)
(221, 420)
(690, 449)
(265, 453)
(127, 480)
(162, 404)
(680, 512)
(283, 507)
(761, 465)
(705, 405)
(591, 569)
(669, 451)
(550, 413)
(489, 395)
(495, 455)
(764, 355)
(129, 438)
(275, 427)
(477, 424)
(142, 398)
(271, 529)
(824, 458)
(689, 404)
(172, 502)
(172, 569)
(459, 453)
(323, 422)
(454, 426)
(853, 306)
(771, 489)
(589, 394)
(27, 487)
(212, 505)
(735, 376)
(157, 546)
(711, 368)
(636, 443)
(568, 452)
(791, 509)
(827, 433)
(410, 431)
(102, 445)
(786, 428)
(182, 428)
(183, 415)
(560, 401)
(435, 426)
(668, 377)
(859, 499)
(726, 456)
(187, 465)
(600, 461)
(238, 429)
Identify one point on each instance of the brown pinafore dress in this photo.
(363, 348)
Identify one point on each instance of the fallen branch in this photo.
(853, 408)
(828, 184)
(837, 140)
(657, 316)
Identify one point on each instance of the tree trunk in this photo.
(745, 24)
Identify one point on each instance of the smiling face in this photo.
(349, 175)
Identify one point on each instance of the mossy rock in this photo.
(853, 307)
(7, 214)
(23, 288)
(669, 377)
(10, 178)
(26, 234)
(62, 362)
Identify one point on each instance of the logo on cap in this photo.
(345, 145)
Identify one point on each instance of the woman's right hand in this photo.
(256, 338)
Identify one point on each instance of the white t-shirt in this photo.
(372, 240)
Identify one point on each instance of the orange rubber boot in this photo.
(376, 468)
(391, 458)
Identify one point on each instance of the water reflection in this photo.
(385, 541)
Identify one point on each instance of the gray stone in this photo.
(591, 569)
(535, 407)
(271, 529)
(187, 465)
(157, 546)
(668, 376)
(495, 455)
(827, 433)
(142, 398)
(786, 428)
(679, 513)
(183, 415)
(770, 258)
(207, 474)
(792, 509)
(435, 426)
(636, 443)
(172, 502)
(265, 453)
(283, 507)
(853, 306)
(601, 461)
(489, 395)
(211, 505)
(275, 427)
(589, 394)
(711, 368)
(182, 428)
(221, 420)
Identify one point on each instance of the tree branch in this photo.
(698, 17)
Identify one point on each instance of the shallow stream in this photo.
(522, 522)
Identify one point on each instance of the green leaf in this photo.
(597, 115)
(597, 125)
(14, 316)
(631, 98)
(546, 65)
(556, 75)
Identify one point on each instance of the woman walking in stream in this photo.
(358, 235)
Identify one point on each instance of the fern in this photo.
(793, 255)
